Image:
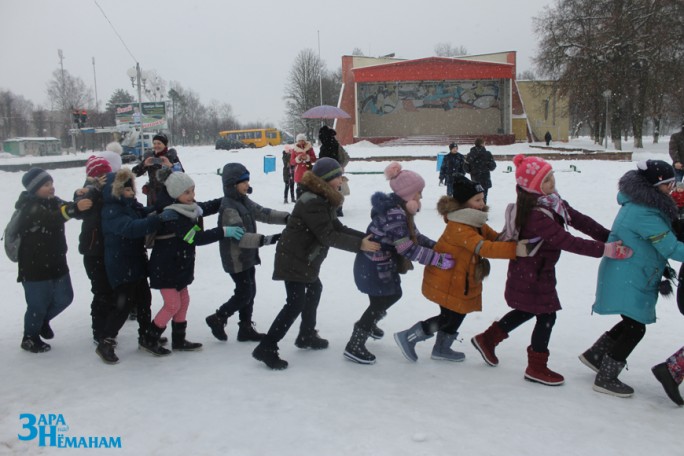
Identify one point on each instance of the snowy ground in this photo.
(221, 401)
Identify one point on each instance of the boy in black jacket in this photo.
(43, 270)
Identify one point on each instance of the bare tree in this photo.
(612, 48)
(448, 50)
(67, 92)
(16, 115)
(302, 90)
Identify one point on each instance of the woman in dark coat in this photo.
(480, 163)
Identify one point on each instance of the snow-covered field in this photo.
(221, 401)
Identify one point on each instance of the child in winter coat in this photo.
(288, 176)
(91, 244)
(670, 374)
(172, 263)
(470, 241)
(240, 255)
(479, 163)
(311, 230)
(377, 273)
(125, 223)
(531, 283)
(43, 269)
(302, 157)
(630, 288)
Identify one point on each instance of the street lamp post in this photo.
(607, 95)
(136, 80)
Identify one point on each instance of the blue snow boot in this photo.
(408, 339)
(442, 349)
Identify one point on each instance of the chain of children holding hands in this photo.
(115, 226)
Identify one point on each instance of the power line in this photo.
(117, 33)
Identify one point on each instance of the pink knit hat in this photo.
(404, 183)
(97, 166)
(530, 172)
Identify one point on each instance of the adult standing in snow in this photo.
(630, 288)
(302, 157)
(547, 138)
(452, 166)
(479, 163)
(160, 157)
(331, 148)
(676, 148)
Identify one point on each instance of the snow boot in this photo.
(311, 340)
(267, 353)
(407, 340)
(538, 372)
(594, 355)
(356, 347)
(46, 332)
(150, 341)
(487, 341)
(671, 387)
(34, 344)
(375, 332)
(178, 340)
(442, 349)
(217, 325)
(248, 332)
(105, 350)
(607, 378)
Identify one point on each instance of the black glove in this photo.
(270, 239)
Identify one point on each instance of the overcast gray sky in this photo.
(240, 52)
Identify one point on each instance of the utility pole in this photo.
(95, 80)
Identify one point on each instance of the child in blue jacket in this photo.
(125, 223)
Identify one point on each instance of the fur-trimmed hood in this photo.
(454, 211)
(120, 178)
(635, 188)
(320, 187)
(302, 150)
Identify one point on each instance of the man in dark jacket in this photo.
(677, 153)
(480, 163)
(452, 166)
(311, 230)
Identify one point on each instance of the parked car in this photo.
(228, 144)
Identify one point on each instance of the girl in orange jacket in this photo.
(458, 291)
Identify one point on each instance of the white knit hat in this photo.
(177, 183)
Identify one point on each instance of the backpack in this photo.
(12, 237)
(510, 232)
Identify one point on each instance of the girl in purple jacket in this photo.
(531, 284)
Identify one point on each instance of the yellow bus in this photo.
(256, 137)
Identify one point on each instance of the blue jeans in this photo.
(679, 174)
(45, 300)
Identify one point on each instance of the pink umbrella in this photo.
(325, 112)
